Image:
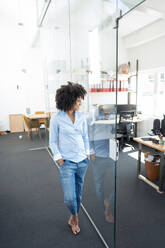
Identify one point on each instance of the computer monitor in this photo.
(122, 109)
(126, 108)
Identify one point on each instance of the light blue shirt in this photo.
(69, 140)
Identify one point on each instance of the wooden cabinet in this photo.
(16, 123)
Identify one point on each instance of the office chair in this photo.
(44, 121)
(156, 128)
(124, 132)
(125, 128)
(30, 124)
(41, 121)
(163, 126)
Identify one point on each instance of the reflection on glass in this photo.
(102, 165)
(93, 50)
(100, 199)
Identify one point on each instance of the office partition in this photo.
(79, 42)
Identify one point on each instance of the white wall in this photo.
(21, 83)
(19, 90)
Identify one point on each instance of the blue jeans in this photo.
(72, 179)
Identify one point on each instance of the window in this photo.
(151, 93)
(160, 105)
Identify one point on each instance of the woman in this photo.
(69, 143)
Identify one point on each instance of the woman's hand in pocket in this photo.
(61, 162)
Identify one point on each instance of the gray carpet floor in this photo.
(32, 213)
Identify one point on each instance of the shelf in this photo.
(16, 123)
(126, 91)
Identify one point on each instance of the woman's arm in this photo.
(85, 138)
(53, 138)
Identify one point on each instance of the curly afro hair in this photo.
(66, 95)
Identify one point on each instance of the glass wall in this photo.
(79, 42)
(93, 64)
(139, 32)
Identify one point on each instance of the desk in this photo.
(38, 117)
(107, 122)
(158, 147)
(135, 120)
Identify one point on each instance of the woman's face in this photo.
(77, 104)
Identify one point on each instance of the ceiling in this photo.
(146, 14)
(90, 14)
(84, 14)
(8, 13)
